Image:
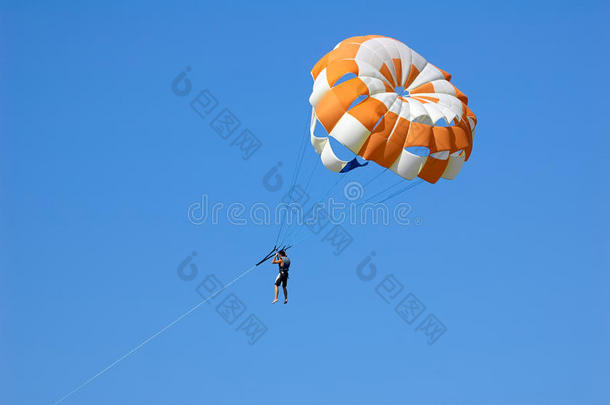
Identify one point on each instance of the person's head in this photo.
(282, 253)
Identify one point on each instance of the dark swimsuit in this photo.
(282, 277)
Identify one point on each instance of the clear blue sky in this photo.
(99, 161)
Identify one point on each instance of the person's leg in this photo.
(276, 289)
(284, 283)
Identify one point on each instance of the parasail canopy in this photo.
(381, 99)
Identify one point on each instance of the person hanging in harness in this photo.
(282, 278)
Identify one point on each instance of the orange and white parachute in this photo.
(386, 123)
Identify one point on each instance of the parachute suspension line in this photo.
(300, 155)
(315, 168)
(383, 191)
(297, 168)
(298, 232)
(280, 238)
(327, 194)
(292, 232)
(349, 173)
(342, 177)
(374, 178)
(330, 191)
(291, 227)
(407, 188)
(359, 205)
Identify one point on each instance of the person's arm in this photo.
(276, 260)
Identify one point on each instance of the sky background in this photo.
(99, 161)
